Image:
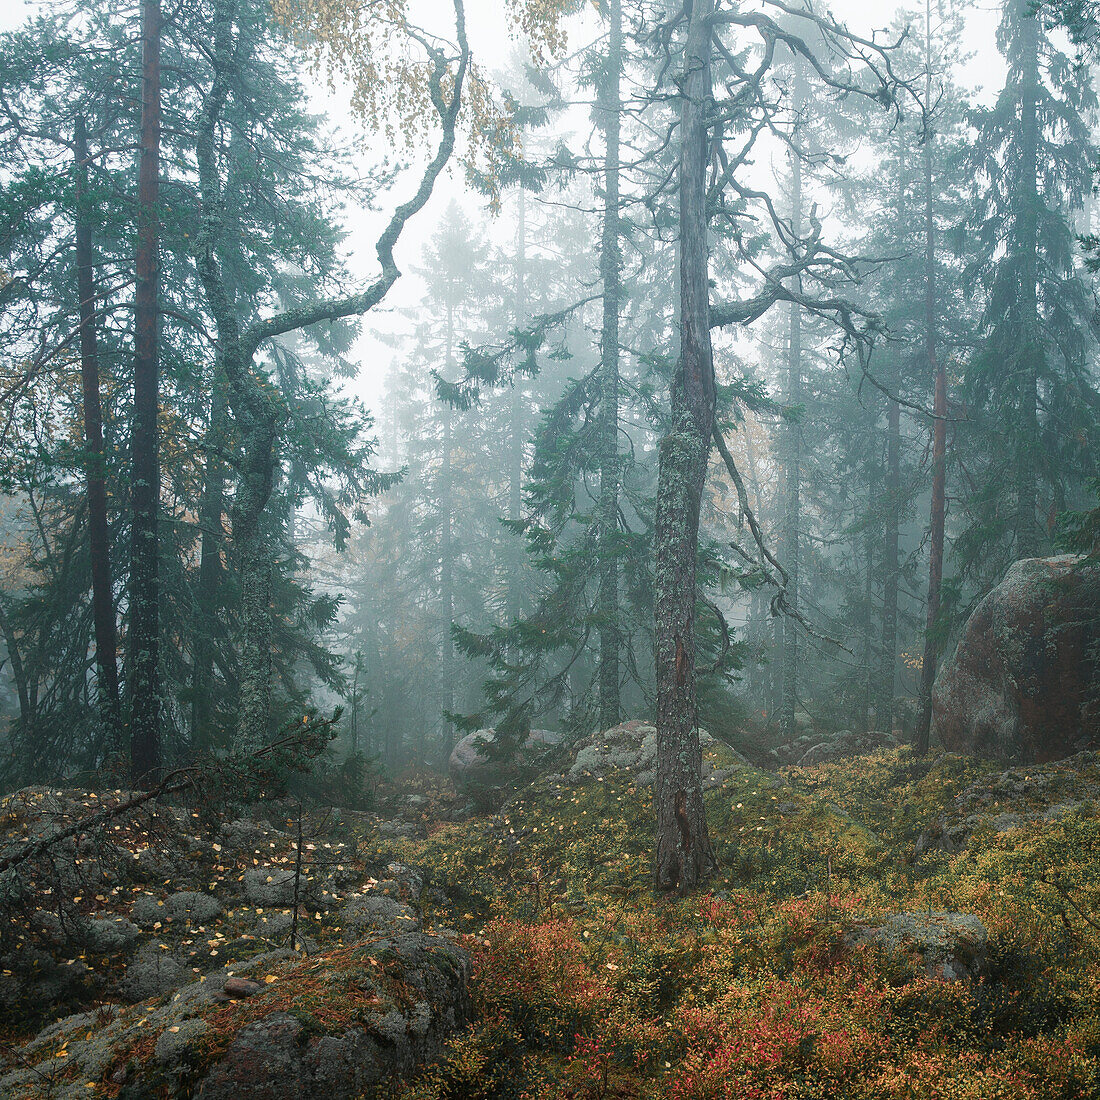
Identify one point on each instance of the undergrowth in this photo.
(589, 986)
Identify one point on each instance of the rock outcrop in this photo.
(844, 744)
(477, 774)
(1024, 683)
(278, 1027)
(632, 747)
(947, 946)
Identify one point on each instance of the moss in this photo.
(754, 987)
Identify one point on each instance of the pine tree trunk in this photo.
(939, 428)
(95, 458)
(144, 672)
(446, 568)
(515, 416)
(256, 565)
(792, 465)
(1028, 538)
(611, 273)
(684, 855)
(211, 511)
(884, 708)
(28, 701)
(868, 613)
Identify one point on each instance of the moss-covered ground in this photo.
(587, 985)
(590, 986)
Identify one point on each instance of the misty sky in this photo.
(494, 45)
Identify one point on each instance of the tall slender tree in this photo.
(1029, 380)
(610, 109)
(144, 632)
(684, 855)
(260, 414)
(95, 458)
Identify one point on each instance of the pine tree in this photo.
(1024, 386)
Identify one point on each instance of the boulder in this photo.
(1023, 683)
(632, 747)
(278, 1058)
(475, 772)
(846, 743)
(389, 1005)
(947, 946)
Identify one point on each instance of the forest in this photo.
(550, 549)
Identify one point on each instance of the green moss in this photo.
(755, 986)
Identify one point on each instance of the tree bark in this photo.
(255, 554)
(607, 607)
(211, 514)
(1028, 537)
(515, 416)
(792, 457)
(95, 459)
(144, 635)
(446, 549)
(939, 427)
(884, 708)
(867, 692)
(683, 852)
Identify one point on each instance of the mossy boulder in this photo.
(947, 946)
(1023, 683)
(339, 1024)
(480, 774)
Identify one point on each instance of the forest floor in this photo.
(883, 926)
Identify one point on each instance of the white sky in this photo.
(492, 43)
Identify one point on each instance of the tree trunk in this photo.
(868, 611)
(683, 852)
(211, 521)
(261, 417)
(144, 637)
(357, 693)
(611, 273)
(515, 417)
(884, 707)
(95, 460)
(939, 427)
(446, 565)
(256, 564)
(1028, 537)
(27, 698)
(792, 460)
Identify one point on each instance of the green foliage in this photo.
(588, 986)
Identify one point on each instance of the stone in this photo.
(632, 747)
(241, 987)
(845, 744)
(1024, 683)
(948, 946)
(190, 905)
(177, 1043)
(111, 935)
(376, 912)
(277, 1058)
(475, 773)
(270, 886)
(264, 1062)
